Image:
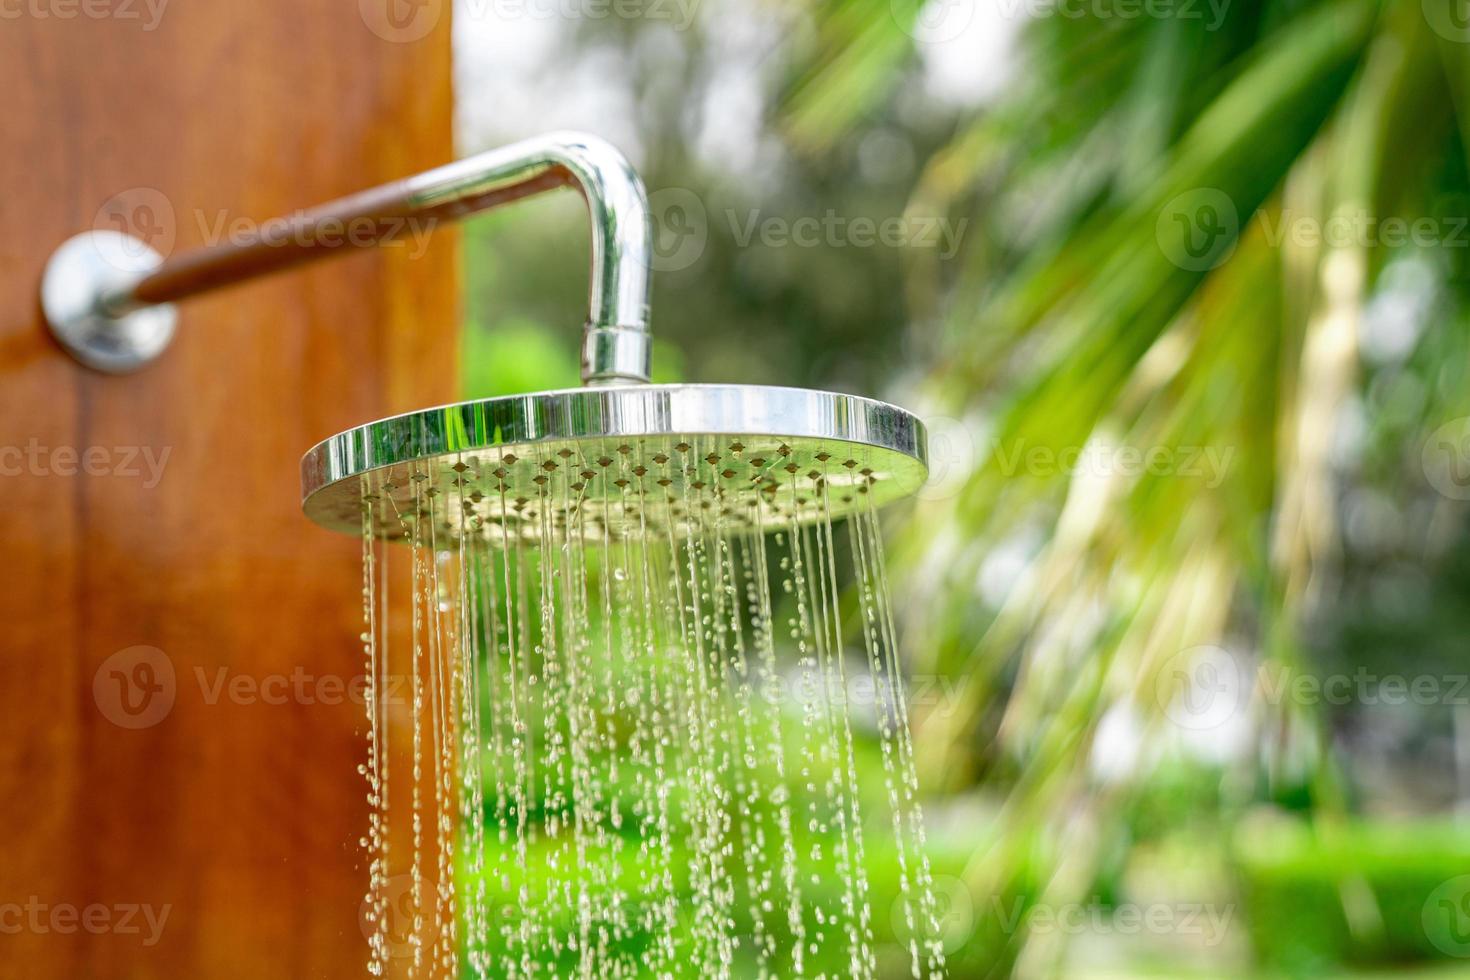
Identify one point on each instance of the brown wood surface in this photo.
(239, 816)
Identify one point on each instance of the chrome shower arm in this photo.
(108, 297)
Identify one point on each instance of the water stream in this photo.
(626, 721)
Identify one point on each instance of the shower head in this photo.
(618, 457)
(604, 463)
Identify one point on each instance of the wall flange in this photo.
(80, 276)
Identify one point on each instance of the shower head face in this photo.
(610, 463)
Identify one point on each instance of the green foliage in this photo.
(1088, 308)
(1093, 311)
(1359, 894)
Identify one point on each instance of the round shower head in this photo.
(608, 462)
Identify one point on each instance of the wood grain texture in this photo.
(238, 809)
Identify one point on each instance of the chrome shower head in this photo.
(617, 457)
(604, 463)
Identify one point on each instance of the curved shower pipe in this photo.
(109, 297)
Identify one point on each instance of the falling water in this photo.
(619, 717)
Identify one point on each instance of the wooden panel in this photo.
(236, 814)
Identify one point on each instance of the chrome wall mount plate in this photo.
(79, 276)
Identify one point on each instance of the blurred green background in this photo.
(1181, 287)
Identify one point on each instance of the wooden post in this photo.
(178, 744)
